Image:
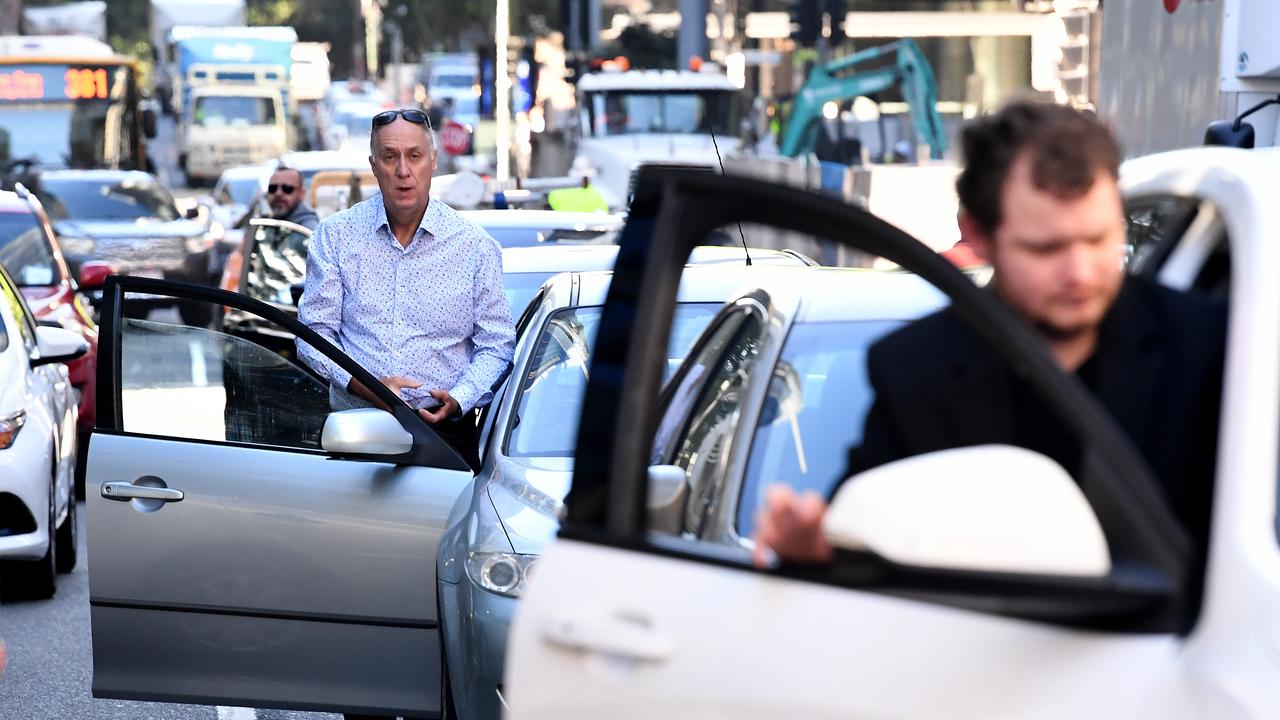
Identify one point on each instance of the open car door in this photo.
(251, 547)
(623, 620)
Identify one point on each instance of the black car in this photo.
(128, 219)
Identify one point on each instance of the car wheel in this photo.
(196, 314)
(66, 540)
(34, 579)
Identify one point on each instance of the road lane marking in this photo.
(236, 713)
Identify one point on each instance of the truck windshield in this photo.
(684, 112)
(217, 110)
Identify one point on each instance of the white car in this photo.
(525, 269)
(984, 582)
(38, 413)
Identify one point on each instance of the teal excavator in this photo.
(834, 83)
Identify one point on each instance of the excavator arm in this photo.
(832, 83)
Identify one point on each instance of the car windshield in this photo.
(813, 413)
(240, 190)
(520, 289)
(216, 110)
(115, 199)
(546, 421)
(629, 113)
(59, 135)
(25, 251)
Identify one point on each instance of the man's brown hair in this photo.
(1068, 150)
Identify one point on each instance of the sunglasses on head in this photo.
(286, 189)
(414, 116)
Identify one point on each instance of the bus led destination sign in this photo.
(54, 82)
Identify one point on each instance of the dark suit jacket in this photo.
(1157, 369)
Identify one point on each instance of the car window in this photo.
(813, 414)
(118, 199)
(512, 237)
(25, 250)
(1153, 224)
(190, 381)
(703, 409)
(22, 319)
(550, 400)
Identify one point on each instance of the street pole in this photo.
(502, 88)
(693, 31)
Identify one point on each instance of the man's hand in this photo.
(395, 383)
(789, 526)
(447, 408)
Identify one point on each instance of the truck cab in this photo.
(642, 116)
(231, 125)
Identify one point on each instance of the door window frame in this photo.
(429, 449)
(672, 211)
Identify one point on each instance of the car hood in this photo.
(528, 496)
(109, 229)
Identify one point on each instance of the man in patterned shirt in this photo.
(410, 290)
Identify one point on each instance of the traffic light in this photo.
(806, 21)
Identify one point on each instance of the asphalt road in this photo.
(51, 664)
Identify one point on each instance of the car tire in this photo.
(34, 579)
(67, 540)
(196, 314)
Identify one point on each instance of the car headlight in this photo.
(9, 426)
(502, 573)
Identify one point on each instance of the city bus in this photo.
(70, 102)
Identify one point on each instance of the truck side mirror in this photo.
(1225, 133)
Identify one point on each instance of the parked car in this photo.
(37, 448)
(128, 219)
(996, 580)
(31, 252)
(524, 270)
(501, 521)
(527, 228)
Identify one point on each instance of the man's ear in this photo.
(974, 236)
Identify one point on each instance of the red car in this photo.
(30, 251)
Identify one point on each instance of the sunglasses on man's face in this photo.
(286, 189)
(416, 117)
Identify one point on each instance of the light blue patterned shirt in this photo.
(434, 311)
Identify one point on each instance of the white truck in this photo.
(164, 15)
(1169, 69)
(232, 97)
(651, 116)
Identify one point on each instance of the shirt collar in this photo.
(431, 219)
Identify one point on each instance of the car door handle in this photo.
(624, 635)
(125, 491)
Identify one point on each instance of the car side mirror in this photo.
(93, 274)
(990, 508)
(364, 431)
(57, 345)
(1226, 134)
(295, 291)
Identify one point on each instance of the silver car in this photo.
(502, 520)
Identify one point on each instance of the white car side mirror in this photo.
(58, 345)
(990, 508)
(364, 431)
(668, 492)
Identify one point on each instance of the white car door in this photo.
(625, 622)
(249, 547)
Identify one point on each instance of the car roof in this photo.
(807, 294)
(240, 172)
(655, 81)
(592, 257)
(99, 175)
(542, 219)
(323, 160)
